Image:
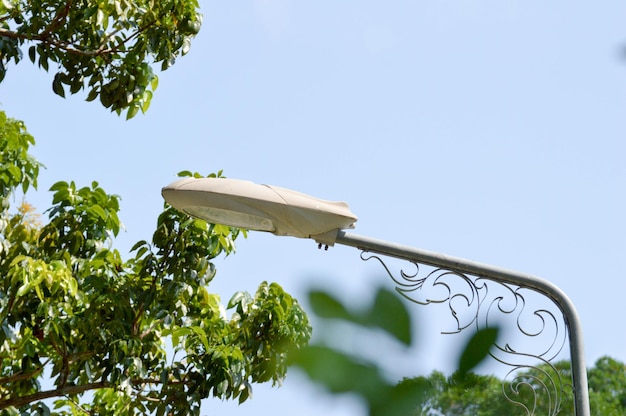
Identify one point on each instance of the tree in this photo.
(143, 335)
(463, 393)
(607, 387)
(474, 394)
(105, 46)
(483, 394)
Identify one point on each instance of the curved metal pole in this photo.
(579, 371)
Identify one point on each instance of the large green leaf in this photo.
(339, 372)
(477, 349)
(390, 314)
(387, 312)
(327, 306)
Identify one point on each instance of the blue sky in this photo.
(490, 130)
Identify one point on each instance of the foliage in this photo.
(143, 335)
(607, 393)
(347, 372)
(471, 394)
(482, 395)
(476, 350)
(462, 393)
(105, 46)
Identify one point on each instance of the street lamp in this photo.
(282, 211)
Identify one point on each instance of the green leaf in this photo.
(98, 211)
(31, 53)
(477, 349)
(246, 392)
(240, 300)
(93, 94)
(403, 399)
(137, 245)
(202, 336)
(147, 99)
(76, 86)
(390, 314)
(57, 86)
(185, 173)
(326, 306)
(132, 111)
(178, 333)
(59, 185)
(339, 372)
(186, 46)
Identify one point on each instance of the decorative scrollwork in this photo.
(476, 302)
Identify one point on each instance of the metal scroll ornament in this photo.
(539, 334)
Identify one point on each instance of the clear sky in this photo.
(486, 129)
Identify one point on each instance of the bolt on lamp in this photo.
(284, 212)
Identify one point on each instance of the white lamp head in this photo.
(252, 206)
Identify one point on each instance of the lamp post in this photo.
(282, 211)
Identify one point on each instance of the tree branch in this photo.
(56, 22)
(13, 35)
(71, 390)
(55, 43)
(20, 376)
(69, 47)
(42, 395)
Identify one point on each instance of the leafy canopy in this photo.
(107, 46)
(143, 335)
(482, 395)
